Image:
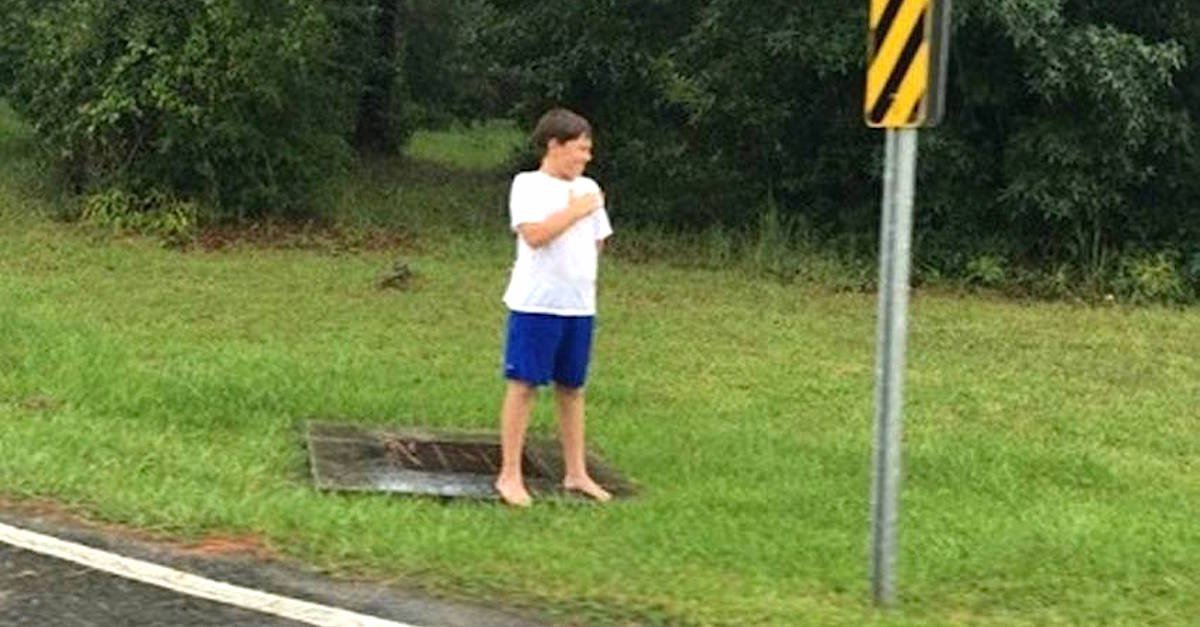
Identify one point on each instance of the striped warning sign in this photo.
(906, 62)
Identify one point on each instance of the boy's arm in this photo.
(602, 227)
(538, 234)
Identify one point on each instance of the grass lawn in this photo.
(1051, 454)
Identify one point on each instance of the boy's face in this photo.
(569, 158)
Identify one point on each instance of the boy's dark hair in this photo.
(561, 124)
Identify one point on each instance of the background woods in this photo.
(1068, 158)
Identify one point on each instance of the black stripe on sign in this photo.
(885, 22)
(916, 110)
(902, 64)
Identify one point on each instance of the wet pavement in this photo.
(40, 590)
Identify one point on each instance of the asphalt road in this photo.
(40, 590)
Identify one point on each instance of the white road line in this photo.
(186, 583)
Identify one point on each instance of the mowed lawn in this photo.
(1051, 450)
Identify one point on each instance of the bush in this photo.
(151, 213)
(243, 106)
(1153, 277)
(986, 271)
(1070, 133)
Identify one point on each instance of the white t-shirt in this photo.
(560, 277)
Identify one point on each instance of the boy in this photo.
(559, 218)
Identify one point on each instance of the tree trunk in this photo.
(375, 130)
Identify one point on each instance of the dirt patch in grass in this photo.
(48, 513)
(301, 236)
(218, 544)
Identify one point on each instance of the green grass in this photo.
(483, 146)
(1051, 473)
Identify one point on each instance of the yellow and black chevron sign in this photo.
(906, 63)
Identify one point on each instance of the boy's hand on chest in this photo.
(582, 205)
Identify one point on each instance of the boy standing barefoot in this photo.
(559, 217)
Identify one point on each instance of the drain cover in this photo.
(438, 463)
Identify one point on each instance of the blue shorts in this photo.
(542, 347)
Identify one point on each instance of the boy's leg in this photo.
(571, 427)
(514, 418)
(570, 373)
(528, 361)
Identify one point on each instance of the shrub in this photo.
(986, 270)
(151, 213)
(243, 106)
(1070, 133)
(1153, 277)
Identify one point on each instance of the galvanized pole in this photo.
(895, 241)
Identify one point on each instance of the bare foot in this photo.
(589, 487)
(513, 493)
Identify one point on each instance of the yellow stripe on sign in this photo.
(888, 53)
(876, 12)
(911, 90)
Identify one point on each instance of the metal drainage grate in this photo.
(436, 463)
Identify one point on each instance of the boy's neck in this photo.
(550, 170)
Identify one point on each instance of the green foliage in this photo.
(1070, 135)
(243, 106)
(986, 270)
(12, 42)
(484, 146)
(1088, 145)
(446, 79)
(608, 61)
(1070, 140)
(381, 125)
(1152, 277)
(151, 213)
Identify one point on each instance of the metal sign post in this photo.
(907, 49)
(895, 242)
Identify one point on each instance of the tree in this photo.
(1070, 133)
(243, 106)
